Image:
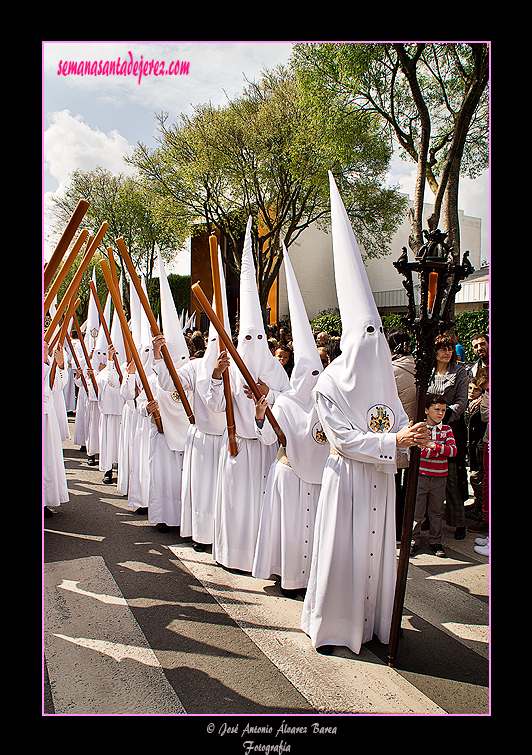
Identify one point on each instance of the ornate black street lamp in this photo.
(439, 281)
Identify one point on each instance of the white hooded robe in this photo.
(284, 541)
(55, 488)
(351, 588)
(241, 481)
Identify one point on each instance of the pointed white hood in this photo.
(100, 350)
(175, 421)
(252, 347)
(117, 337)
(207, 421)
(93, 320)
(171, 325)
(306, 445)
(360, 382)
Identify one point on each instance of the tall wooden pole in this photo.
(76, 360)
(155, 328)
(114, 275)
(115, 295)
(62, 333)
(211, 314)
(105, 326)
(64, 242)
(85, 353)
(231, 431)
(54, 288)
(76, 280)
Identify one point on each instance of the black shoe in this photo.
(91, 461)
(141, 510)
(437, 549)
(325, 649)
(293, 594)
(459, 533)
(199, 547)
(162, 527)
(48, 512)
(474, 512)
(108, 478)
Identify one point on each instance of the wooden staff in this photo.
(64, 241)
(115, 295)
(62, 333)
(114, 275)
(105, 326)
(76, 360)
(233, 449)
(76, 280)
(155, 328)
(211, 314)
(85, 353)
(64, 270)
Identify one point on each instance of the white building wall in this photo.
(312, 260)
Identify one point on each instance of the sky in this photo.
(96, 120)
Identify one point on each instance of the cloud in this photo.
(70, 144)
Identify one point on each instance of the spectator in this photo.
(404, 372)
(433, 471)
(450, 380)
(460, 351)
(322, 339)
(475, 442)
(483, 383)
(333, 348)
(480, 345)
(285, 355)
(324, 356)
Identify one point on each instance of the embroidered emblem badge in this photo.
(318, 434)
(175, 396)
(380, 418)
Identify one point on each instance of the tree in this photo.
(432, 100)
(261, 155)
(129, 207)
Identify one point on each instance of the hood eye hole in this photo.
(315, 372)
(370, 329)
(259, 337)
(248, 338)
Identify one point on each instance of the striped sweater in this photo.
(434, 461)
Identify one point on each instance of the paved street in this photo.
(136, 622)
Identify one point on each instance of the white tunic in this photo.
(124, 447)
(240, 488)
(139, 470)
(81, 411)
(286, 530)
(165, 461)
(201, 454)
(110, 405)
(55, 489)
(350, 593)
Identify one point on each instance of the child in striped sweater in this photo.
(433, 475)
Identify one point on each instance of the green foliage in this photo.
(466, 324)
(180, 288)
(327, 321)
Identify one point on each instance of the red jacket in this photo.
(434, 461)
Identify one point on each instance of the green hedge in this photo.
(466, 324)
